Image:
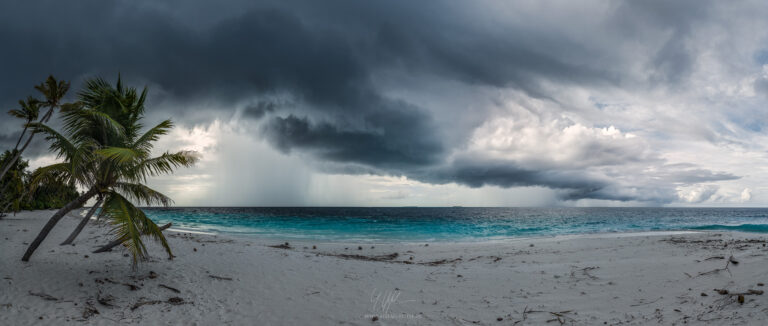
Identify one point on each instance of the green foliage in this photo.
(20, 194)
(12, 184)
(103, 150)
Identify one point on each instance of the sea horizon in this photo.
(393, 224)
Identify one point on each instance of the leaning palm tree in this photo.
(53, 91)
(104, 151)
(28, 111)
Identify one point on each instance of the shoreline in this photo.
(610, 278)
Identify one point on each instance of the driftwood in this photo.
(169, 288)
(220, 278)
(142, 303)
(129, 285)
(175, 301)
(44, 296)
(117, 242)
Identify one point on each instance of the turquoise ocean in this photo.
(405, 224)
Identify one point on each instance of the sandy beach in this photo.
(626, 279)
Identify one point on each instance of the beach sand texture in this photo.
(627, 279)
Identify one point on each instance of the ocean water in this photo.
(451, 223)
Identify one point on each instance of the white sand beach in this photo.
(627, 279)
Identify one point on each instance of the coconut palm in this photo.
(28, 111)
(53, 91)
(103, 150)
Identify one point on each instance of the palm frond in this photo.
(142, 194)
(119, 154)
(59, 144)
(145, 141)
(163, 164)
(130, 224)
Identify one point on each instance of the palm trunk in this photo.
(79, 201)
(7, 167)
(83, 222)
(21, 136)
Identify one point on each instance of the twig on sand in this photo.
(174, 301)
(715, 257)
(142, 303)
(220, 278)
(89, 310)
(560, 316)
(129, 285)
(390, 258)
(106, 301)
(645, 303)
(717, 270)
(44, 296)
(169, 288)
(282, 246)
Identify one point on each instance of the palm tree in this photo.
(28, 111)
(53, 91)
(104, 152)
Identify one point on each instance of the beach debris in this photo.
(44, 296)
(368, 258)
(733, 260)
(584, 271)
(169, 288)
(530, 245)
(741, 299)
(721, 291)
(642, 302)
(143, 303)
(314, 247)
(359, 247)
(89, 310)
(374, 318)
(715, 257)
(152, 275)
(441, 262)
(760, 284)
(174, 301)
(704, 294)
(129, 285)
(105, 301)
(220, 278)
(717, 270)
(6, 305)
(194, 249)
(282, 246)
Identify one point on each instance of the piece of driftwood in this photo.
(174, 301)
(220, 278)
(142, 303)
(117, 242)
(169, 288)
(44, 296)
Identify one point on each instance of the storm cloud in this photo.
(589, 99)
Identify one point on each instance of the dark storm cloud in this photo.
(327, 55)
(398, 137)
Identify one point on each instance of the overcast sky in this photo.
(429, 103)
